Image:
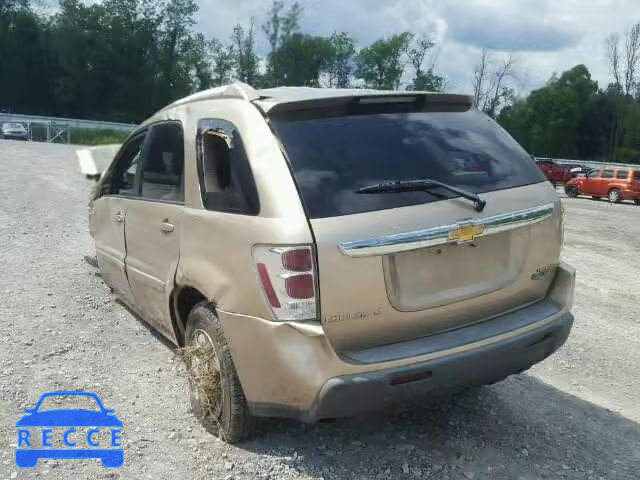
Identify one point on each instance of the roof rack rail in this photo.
(233, 90)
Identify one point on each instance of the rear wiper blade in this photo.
(422, 185)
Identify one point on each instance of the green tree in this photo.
(281, 25)
(548, 122)
(244, 56)
(381, 64)
(223, 63)
(27, 64)
(279, 28)
(338, 67)
(423, 79)
(300, 60)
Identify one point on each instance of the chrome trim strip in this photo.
(429, 237)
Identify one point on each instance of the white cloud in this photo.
(545, 35)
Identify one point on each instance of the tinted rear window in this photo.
(332, 154)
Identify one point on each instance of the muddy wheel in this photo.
(571, 191)
(615, 196)
(216, 395)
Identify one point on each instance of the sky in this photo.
(545, 36)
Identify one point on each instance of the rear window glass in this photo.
(622, 174)
(636, 175)
(333, 154)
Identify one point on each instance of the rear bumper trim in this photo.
(453, 338)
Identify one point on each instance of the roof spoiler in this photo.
(94, 161)
(428, 99)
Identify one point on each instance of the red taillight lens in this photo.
(300, 286)
(298, 260)
(287, 275)
(267, 286)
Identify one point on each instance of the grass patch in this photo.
(80, 136)
(86, 136)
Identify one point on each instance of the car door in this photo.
(109, 213)
(606, 177)
(153, 225)
(589, 185)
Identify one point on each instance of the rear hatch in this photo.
(401, 265)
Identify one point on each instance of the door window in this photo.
(622, 174)
(124, 177)
(163, 170)
(607, 174)
(594, 174)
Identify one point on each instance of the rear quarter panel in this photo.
(216, 247)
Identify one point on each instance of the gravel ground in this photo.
(575, 416)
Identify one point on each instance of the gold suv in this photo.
(336, 250)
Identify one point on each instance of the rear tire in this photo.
(223, 410)
(615, 196)
(571, 191)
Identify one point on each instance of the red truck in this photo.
(554, 172)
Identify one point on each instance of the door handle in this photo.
(167, 227)
(119, 217)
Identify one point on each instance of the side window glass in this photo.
(594, 174)
(607, 174)
(163, 168)
(127, 166)
(226, 180)
(622, 174)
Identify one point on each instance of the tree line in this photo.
(121, 60)
(571, 116)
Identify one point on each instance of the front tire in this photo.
(615, 196)
(217, 398)
(571, 191)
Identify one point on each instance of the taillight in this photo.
(288, 279)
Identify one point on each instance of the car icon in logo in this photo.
(103, 429)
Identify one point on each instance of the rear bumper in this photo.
(355, 394)
(629, 194)
(291, 370)
(15, 136)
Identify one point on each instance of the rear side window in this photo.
(622, 174)
(335, 152)
(607, 174)
(226, 180)
(636, 175)
(163, 166)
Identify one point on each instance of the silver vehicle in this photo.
(14, 131)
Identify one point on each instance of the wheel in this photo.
(637, 201)
(615, 196)
(571, 191)
(216, 395)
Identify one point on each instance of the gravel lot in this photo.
(576, 416)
